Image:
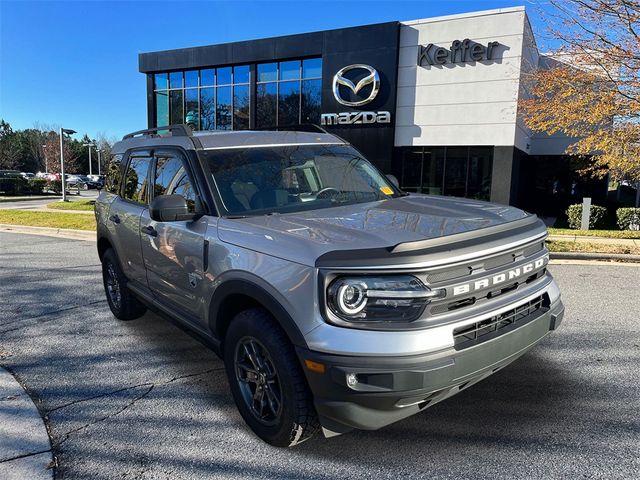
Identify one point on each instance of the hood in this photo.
(304, 236)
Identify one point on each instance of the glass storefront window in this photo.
(192, 111)
(223, 76)
(290, 70)
(433, 170)
(241, 74)
(412, 170)
(455, 174)
(480, 166)
(267, 72)
(161, 81)
(266, 104)
(223, 108)
(287, 93)
(175, 80)
(162, 108)
(241, 107)
(312, 68)
(208, 77)
(176, 99)
(456, 171)
(311, 101)
(208, 108)
(289, 103)
(191, 79)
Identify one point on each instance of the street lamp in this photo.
(89, 145)
(64, 184)
(99, 160)
(44, 151)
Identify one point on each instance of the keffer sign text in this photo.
(460, 51)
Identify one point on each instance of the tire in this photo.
(295, 420)
(123, 303)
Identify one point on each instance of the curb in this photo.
(619, 257)
(89, 235)
(25, 447)
(27, 199)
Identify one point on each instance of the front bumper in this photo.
(392, 388)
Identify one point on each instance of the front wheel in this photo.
(267, 382)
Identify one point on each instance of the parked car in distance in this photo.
(336, 300)
(97, 179)
(28, 175)
(10, 173)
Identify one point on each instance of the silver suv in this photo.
(336, 300)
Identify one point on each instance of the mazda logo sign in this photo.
(372, 78)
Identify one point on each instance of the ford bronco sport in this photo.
(336, 300)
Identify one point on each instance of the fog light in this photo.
(352, 379)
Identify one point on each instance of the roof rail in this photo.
(301, 127)
(176, 131)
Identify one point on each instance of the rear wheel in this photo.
(123, 303)
(267, 382)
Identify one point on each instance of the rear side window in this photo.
(114, 174)
(136, 180)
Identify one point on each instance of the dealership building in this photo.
(432, 101)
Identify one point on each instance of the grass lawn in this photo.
(596, 233)
(73, 205)
(48, 219)
(561, 246)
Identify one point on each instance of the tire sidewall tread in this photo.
(299, 421)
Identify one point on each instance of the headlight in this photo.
(394, 298)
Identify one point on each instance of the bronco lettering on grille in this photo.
(499, 278)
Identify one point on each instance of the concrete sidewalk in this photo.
(25, 449)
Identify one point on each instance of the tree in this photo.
(9, 147)
(591, 90)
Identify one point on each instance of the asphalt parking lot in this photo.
(143, 399)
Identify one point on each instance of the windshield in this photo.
(282, 179)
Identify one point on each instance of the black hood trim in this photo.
(415, 252)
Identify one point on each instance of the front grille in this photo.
(497, 325)
(458, 273)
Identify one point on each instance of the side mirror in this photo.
(394, 180)
(169, 208)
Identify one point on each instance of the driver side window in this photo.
(171, 178)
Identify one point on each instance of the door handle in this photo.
(149, 230)
(115, 218)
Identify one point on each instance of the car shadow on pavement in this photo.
(145, 396)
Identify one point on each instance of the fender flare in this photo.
(252, 286)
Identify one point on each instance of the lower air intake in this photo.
(497, 325)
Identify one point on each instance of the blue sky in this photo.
(76, 63)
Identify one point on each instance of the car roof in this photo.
(211, 140)
(256, 138)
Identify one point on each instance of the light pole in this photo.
(99, 160)
(89, 145)
(64, 185)
(44, 152)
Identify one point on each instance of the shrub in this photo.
(596, 217)
(36, 185)
(12, 185)
(628, 218)
(54, 186)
